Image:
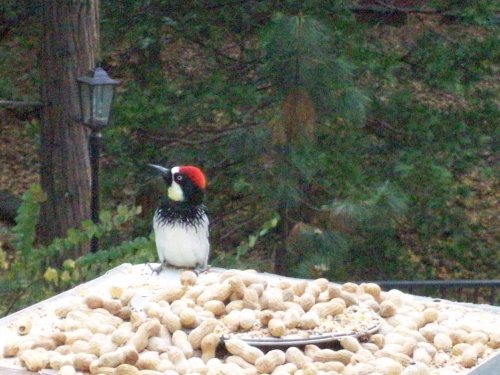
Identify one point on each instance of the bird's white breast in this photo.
(182, 245)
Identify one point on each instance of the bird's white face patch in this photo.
(175, 191)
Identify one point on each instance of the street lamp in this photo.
(96, 96)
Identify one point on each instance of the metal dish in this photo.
(299, 341)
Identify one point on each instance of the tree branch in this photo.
(229, 3)
(183, 139)
(384, 125)
(394, 8)
(239, 226)
(384, 8)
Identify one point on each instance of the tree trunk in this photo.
(69, 49)
(282, 157)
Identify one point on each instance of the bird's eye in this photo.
(178, 177)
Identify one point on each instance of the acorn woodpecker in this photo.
(180, 222)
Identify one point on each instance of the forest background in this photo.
(351, 140)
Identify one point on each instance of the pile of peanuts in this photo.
(200, 324)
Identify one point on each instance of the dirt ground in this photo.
(18, 154)
(19, 164)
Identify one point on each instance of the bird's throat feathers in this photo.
(173, 213)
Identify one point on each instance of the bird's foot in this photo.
(197, 270)
(158, 269)
(201, 269)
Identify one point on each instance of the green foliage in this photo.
(318, 253)
(452, 64)
(402, 117)
(38, 272)
(479, 12)
(242, 252)
(18, 81)
(372, 233)
(243, 249)
(361, 237)
(302, 51)
(26, 219)
(417, 112)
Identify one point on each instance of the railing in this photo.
(475, 291)
(19, 103)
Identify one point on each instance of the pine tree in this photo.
(300, 107)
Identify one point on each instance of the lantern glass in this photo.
(86, 104)
(102, 97)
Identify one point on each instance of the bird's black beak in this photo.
(163, 171)
(166, 174)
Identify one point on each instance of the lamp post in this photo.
(96, 96)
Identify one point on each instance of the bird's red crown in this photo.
(194, 174)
